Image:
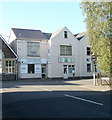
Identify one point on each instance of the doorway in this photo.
(68, 70)
(43, 71)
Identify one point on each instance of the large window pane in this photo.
(65, 50)
(33, 49)
(31, 68)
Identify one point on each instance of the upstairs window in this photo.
(65, 50)
(33, 49)
(88, 49)
(65, 34)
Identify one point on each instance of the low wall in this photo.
(8, 77)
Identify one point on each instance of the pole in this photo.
(94, 74)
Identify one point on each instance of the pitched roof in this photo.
(6, 49)
(29, 34)
(58, 31)
(79, 36)
(48, 35)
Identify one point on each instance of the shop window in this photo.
(33, 49)
(69, 68)
(88, 67)
(31, 68)
(65, 50)
(10, 67)
(65, 34)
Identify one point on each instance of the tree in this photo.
(99, 25)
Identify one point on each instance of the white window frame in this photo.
(10, 66)
(68, 68)
(65, 51)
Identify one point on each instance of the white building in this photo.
(51, 55)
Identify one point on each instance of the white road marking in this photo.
(84, 99)
(46, 89)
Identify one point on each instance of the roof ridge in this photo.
(25, 29)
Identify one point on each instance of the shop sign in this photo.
(65, 60)
(24, 69)
(37, 68)
(34, 61)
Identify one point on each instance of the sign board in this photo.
(65, 60)
(34, 61)
(24, 69)
(93, 58)
(37, 68)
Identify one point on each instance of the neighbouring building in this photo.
(8, 61)
(51, 55)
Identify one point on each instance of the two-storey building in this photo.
(31, 47)
(51, 55)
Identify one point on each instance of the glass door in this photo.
(43, 71)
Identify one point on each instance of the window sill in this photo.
(65, 55)
(32, 56)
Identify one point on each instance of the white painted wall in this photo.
(83, 44)
(55, 69)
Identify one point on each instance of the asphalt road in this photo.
(54, 100)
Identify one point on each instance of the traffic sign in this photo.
(93, 58)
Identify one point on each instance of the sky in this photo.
(44, 16)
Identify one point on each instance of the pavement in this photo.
(84, 83)
(88, 84)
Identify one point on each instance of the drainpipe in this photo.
(16, 69)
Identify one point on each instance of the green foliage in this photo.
(99, 23)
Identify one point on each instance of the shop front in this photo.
(33, 68)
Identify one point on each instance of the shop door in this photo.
(43, 71)
(65, 70)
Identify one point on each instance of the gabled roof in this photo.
(55, 33)
(29, 34)
(58, 31)
(6, 49)
(79, 36)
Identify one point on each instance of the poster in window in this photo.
(24, 69)
(37, 68)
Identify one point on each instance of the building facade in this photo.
(8, 61)
(69, 52)
(51, 55)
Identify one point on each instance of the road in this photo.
(53, 99)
